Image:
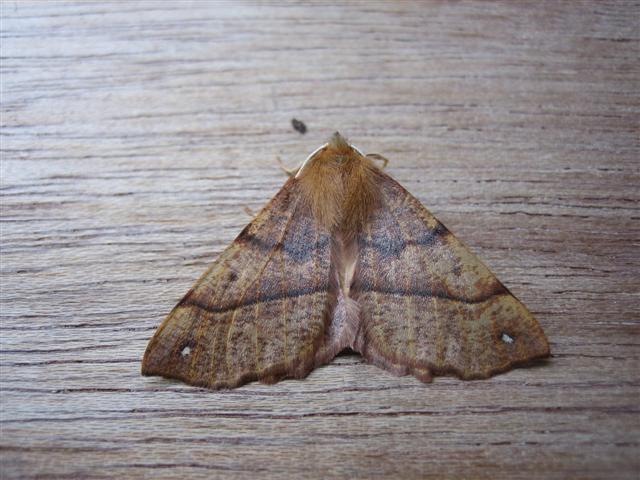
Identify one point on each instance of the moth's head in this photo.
(336, 154)
(340, 147)
(339, 184)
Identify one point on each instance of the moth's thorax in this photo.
(339, 186)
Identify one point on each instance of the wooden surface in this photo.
(135, 134)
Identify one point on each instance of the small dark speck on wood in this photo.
(299, 126)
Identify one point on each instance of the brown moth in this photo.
(343, 257)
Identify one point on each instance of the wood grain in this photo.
(135, 134)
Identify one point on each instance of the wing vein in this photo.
(257, 277)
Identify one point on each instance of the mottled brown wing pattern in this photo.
(259, 312)
(428, 305)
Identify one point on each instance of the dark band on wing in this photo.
(389, 246)
(193, 301)
(499, 289)
(298, 251)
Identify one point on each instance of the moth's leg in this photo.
(289, 171)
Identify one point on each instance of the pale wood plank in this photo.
(133, 134)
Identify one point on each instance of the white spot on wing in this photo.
(185, 351)
(507, 339)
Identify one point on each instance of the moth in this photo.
(343, 257)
